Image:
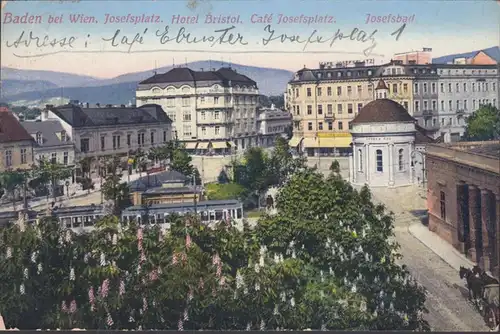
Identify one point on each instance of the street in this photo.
(447, 302)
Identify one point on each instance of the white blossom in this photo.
(321, 293)
(262, 325)
(257, 268)
(375, 313)
(257, 286)
(68, 236)
(341, 223)
(245, 290)
(8, 253)
(381, 294)
(292, 302)
(239, 280)
(382, 305)
(362, 306)
(283, 296)
(39, 269)
(321, 274)
(354, 289)
(276, 258)
(33, 257)
(72, 274)
(21, 289)
(331, 271)
(275, 312)
(103, 260)
(86, 258)
(388, 280)
(25, 273)
(360, 249)
(261, 261)
(249, 326)
(363, 233)
(282, 259)
(391, 306)
(293, 254)
(394, 295)
(323, 327)
(115, 239)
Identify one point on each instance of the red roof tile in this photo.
(10, 128)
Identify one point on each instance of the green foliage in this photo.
(11, 182)
(223, 177)
(51, 174)
(483, 124)
(113, 188)
(218, 191)
(182, 162)
(335, 167)
(324, 261)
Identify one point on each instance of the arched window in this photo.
(380, 167)
(360, 160)
(401, 164)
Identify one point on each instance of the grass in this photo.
(254, 213)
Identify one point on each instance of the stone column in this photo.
(368, 167)
(461, 215)
(391, 164)
(486, 229)
(474, 222)
(496, 270)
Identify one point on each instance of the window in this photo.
(8, 158)
(319, 91)
(425, 88)
(320, 109)
(442, 202)
(433, 85)
(380, 167)
(339, 91)
(116, 142)
(434, 105)
(329, 91)
(465, 87)
(442, 105)
(473, 105)
(457, 87)
(349, 108)
(185, 101)
(309, 109)
(341, 126)
(494, 102)
(84, 145)
(417, 106)
(349, 90)
(216, 115)
(217, 130)
(24, 158)
(360, 160)
(330, 126)
(129, 140)
(309, 126)
(405, 103)
(103, 143)
(405, 88)
(170, 101)
(416, 88)
(349, 124)
(203, 131)
(329, 109)
(63, 136)
(140, 139)
(187, 130)
(360, 90)
(395, 88)
(65, 158)
(425, 105)
(164, 136)
(308, 92)
(442, 87)
(450, 105)
(401, 163)
(39, 139)
(296, 92)
(339, 108)
(152, 137)
(458, 104)
(320, 126)
(53, 158)
(449, 88)
(465, 104)
(202, 100)
(473, 87)
(360, 106)
(494, 86)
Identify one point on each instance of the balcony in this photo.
(329, 117)
(427, 112)
(460, 112)
(213, 121)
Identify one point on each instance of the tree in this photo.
(483, 124)
(114, 189)
(282, 163)
(181, 162)
(300, 269)
(11, 182)
(223, 177)
(51, 173)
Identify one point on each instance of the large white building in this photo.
(110, 131)
(212, 111)
(387, 144)
(272, 123)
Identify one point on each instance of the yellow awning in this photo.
(190, 146)
(311, 143)
(219, 144)
(231, 143)
(202, 146)
(294, 141)
(340, 142)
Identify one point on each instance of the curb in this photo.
(428, 245)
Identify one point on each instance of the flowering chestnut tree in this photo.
(323, 262)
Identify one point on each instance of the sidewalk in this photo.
(440, 247)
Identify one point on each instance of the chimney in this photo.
(87, 105)
(74, 102)
(49, 106)
(109, 106)
(98, 105)
(123, 106)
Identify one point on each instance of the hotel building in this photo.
(212, 111)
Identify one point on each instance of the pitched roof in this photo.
(11, 129)
(48, 130)
(381, 85)
(77, 116)
(223, 76)
(493, 52)
(157, 180)
(382, 111)
(421, 136)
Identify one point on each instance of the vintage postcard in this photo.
(278, 115)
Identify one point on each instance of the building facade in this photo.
(16, 144)
(422, 57)
(324, 101)
(385, 144)
(272, 123)
(212, 111)
(463, 88)
(463, 198)
(111, 131)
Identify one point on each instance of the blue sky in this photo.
(445, 26)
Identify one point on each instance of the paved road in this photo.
(447, 303)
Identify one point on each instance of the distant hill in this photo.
(121, 89)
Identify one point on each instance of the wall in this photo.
(15, 148)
